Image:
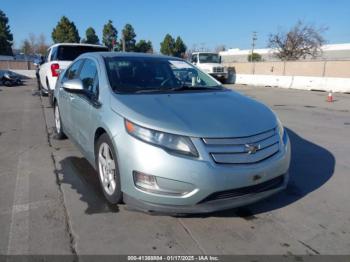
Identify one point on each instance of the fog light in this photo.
(146, 182)
(149, 184)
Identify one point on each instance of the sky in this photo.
(200, 23)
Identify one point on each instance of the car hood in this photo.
(200, 114)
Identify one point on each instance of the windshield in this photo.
(209, 58)
(154, 74)
(69, 53)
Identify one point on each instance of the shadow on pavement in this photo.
(311, 167)
(82, 177)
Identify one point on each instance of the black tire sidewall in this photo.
(60, 134)
(51, 98)
(7, 83)
(117, 196)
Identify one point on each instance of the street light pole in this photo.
(254, 38)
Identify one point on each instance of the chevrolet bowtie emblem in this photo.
(251, 148)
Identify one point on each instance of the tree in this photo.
(301, 41)
(179, 48)
(34, 45)
(128, 38)
(255, 57)
(65, 32)
(42, 46)
(91, 37)
(168, 45)
(144, 46)
(6, 37)
(110, 35)
(27, 48)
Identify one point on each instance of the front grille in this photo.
(265, 186)
(243, 150)
(218, 69)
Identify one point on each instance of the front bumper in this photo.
(223, 75)
(206, 206)
(200, 178)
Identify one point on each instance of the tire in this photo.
(42, 92)
(7, 83)
(107, 169)
(39, 84)
(58, 123)
(50, 96)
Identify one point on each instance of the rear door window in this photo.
(69, 53)
(53, 54)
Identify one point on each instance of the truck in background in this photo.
(210, 63)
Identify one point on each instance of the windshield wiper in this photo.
(148, 91)
(176, 89)
(186, 87)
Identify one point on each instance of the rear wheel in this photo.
(107, 168)
(51, 98)
(49, 93)
(43, 91)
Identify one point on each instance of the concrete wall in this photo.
(312, 75)
(294, 68)
(25, 73)
(17, 65)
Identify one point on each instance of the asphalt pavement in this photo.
(51, 203)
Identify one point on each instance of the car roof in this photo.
(128, 54)
(75, 44)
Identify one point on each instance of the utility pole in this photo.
(254, 38)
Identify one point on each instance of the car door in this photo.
(83, 105)
(66, 98)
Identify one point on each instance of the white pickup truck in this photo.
(58, 58)
(210, 63)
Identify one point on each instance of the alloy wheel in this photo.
(106, 167)
(57, 120)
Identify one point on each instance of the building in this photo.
(329, 52)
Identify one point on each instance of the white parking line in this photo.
(19, 228)
(26, 207)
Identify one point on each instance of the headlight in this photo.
(281, 131)
(169, 142)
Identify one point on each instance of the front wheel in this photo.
(7, 83)
(58, 123)
(107, 168)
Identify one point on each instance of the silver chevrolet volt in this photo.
(164, 136)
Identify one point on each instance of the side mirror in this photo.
(220, 58)
(73, 86)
